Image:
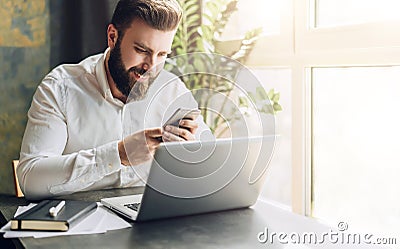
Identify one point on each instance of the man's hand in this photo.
(139, 147)
(185, 132)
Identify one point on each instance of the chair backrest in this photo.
(18, 191)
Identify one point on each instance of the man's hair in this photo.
(163, 15)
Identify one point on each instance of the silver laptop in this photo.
(199, 177)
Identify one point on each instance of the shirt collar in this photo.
(101, 76)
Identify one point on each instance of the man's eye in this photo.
(139, 50)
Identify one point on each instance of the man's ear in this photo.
(112, 35)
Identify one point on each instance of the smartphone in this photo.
(182, 113)
(178, 115)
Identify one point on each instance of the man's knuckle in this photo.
(184, 132)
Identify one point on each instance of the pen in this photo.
(55, 210)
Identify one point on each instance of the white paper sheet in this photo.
(101, 221)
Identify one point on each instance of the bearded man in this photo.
(90, 125)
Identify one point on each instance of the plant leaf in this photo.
(192, 10)
(261, 93)
(276, 97)
(243, 102)
(277, 107)
(271, 93)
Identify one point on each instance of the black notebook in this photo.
(39, 217)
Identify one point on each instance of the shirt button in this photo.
(110, 165)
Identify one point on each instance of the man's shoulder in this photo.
(85, 68)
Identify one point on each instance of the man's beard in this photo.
(127, 85)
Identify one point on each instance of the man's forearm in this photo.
(45, 176)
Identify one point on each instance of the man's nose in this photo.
(149, 62)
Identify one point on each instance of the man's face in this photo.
(137, 59)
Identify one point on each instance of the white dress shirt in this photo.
(75, 124)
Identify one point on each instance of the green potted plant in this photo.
(204, 69)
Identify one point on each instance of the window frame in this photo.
(301, 47)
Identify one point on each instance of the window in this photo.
(277, 185)
(265, 14)
(355, 146)
(344, 62)
(348, 12)
(275, 19)
(353, 131)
